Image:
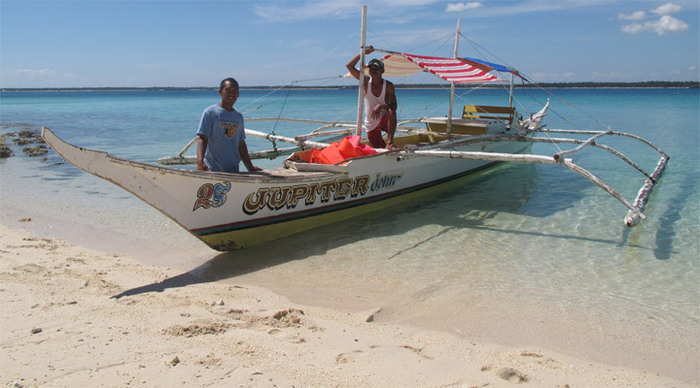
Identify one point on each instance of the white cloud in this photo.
(612, 76)
(664, 25)
(459, 7)
(307, 10)
(32, 78)
(29, 73)
(634, 28)
(555, 77)
(669, 24)
(639, 15)
(667, 9)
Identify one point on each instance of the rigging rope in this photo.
(525, 78)
(289, 88)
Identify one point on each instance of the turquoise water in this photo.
(535, 236)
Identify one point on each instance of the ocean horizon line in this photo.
(586, 84)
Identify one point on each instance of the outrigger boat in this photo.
(323, 182)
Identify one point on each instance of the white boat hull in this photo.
(232, 211)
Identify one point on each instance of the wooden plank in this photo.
(459, 129)
(488, 112)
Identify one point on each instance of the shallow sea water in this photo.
(524, 254)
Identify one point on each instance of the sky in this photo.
(170, 43)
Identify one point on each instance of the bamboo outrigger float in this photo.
(232, 211)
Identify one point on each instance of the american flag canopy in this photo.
(454, 70)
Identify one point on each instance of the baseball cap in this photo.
(376, 62)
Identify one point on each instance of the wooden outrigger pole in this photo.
(633, 218)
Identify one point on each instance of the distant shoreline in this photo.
(567, 85)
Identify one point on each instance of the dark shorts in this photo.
(375, 136)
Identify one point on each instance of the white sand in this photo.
(72, 316)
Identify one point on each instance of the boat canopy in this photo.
(493, 66)
(457, 70)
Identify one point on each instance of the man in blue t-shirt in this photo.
(222, 135)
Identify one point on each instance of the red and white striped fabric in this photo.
(449, 69)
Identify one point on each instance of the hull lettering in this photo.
(276, 198)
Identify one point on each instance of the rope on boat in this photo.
(527, 79)
(284, 103)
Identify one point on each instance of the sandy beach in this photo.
(73, 316)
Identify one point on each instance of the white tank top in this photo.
(371, 101)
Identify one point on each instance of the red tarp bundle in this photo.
(349, 147)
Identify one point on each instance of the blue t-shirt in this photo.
(225, 131)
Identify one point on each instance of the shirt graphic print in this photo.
(229, 128)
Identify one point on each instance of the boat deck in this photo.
(281, 172)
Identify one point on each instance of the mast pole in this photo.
(452, 85)
(510, 98)
(361, 89)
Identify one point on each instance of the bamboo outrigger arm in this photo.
(597, 145)
(300, 141)
(643, 140)
(527, 158)
(591, 140)
(494, 156)
(635, 214)
(265, 154)
(491, 138)
(599, 182)
(345, 131)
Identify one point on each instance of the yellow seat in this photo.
(488, 112)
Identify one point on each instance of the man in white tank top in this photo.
(380, 102)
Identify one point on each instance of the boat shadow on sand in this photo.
(469, 204)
